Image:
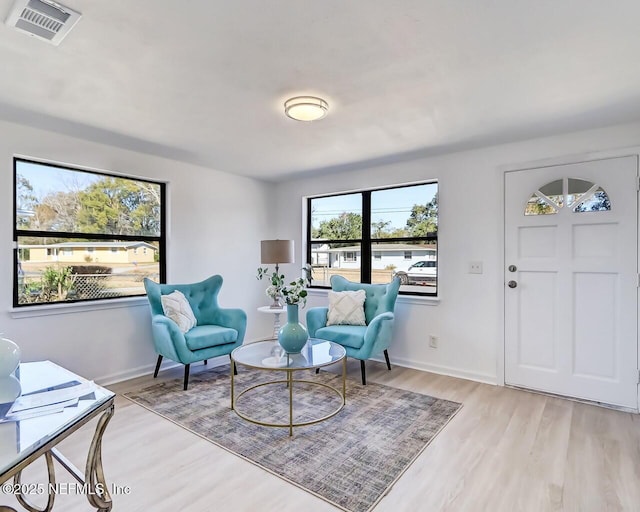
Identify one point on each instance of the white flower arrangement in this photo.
(272, 292)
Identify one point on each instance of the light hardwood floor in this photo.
(506, 450)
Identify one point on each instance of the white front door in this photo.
(571, 280)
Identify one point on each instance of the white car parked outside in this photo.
(421, 272)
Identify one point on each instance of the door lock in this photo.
(512, 268)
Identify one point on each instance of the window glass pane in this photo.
(598, 202)
(65, 270)
(538, 206)
(332, 259)
(554, 192)
(576, 188)
(419, 274)
(336, 217)
(405, 211)
(50, 198)
(404, 227)
(78, 234)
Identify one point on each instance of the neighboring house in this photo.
(89, 252)
(384, 256)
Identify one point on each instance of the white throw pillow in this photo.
(176, 306)
(346, 308)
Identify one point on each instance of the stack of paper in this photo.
(48, 401)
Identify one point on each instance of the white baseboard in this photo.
(485, 378)
(132, 373)
(148, 369)
(219, 361)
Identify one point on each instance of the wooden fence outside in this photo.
(322, 275)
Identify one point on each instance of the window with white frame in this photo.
(370, 236)
(350, 256)
(67, 219)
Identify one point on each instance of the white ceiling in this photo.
(204, 81)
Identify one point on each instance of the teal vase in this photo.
(292, 335)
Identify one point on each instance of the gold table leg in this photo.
(98, 496)
(344, 381)
(52, 481)
(290, 383)
(96, 484)
(232, 366)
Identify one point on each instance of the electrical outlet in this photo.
(475, 267)
(433, 341)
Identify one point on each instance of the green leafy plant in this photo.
(57, 281)
(277, 281)
(295, 293)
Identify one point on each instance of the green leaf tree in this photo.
(347, 226)
(423, 219)
(118, 206)
(26, 202)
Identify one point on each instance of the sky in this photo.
(45, 178)
(386, 205)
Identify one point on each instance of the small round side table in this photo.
(276, 318)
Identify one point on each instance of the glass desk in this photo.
(314, 355)
(23, 441)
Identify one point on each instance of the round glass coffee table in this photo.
(314, 355)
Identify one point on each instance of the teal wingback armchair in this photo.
(217, 332)
(360, 341)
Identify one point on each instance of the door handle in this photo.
(512, 284)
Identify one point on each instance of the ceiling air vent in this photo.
(45, 20)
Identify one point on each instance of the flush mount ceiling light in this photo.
(305, 108)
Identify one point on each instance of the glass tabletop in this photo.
(263, 354)
(19, 438)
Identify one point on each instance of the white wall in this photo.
(215, 219)
(469, 317)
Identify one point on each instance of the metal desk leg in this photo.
(98, 494)
(96, 484)
(52, 481)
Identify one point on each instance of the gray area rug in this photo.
(350, 460)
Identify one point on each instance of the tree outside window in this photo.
(75, 229)
(373, 235)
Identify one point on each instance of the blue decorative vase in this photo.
(292, 335)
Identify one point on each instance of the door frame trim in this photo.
(532, 165)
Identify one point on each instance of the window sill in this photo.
(77, 307)
(402, 299)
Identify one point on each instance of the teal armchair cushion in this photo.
(345, 335)
(205, 336)
(218, 330)
(360, 342)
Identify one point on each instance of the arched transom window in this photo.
(574, 193)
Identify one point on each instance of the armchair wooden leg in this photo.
(205, 362)
(235, 368)
(317, 371)
(155, 374)
(386, 356)
(186, 376)
(362, 371)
